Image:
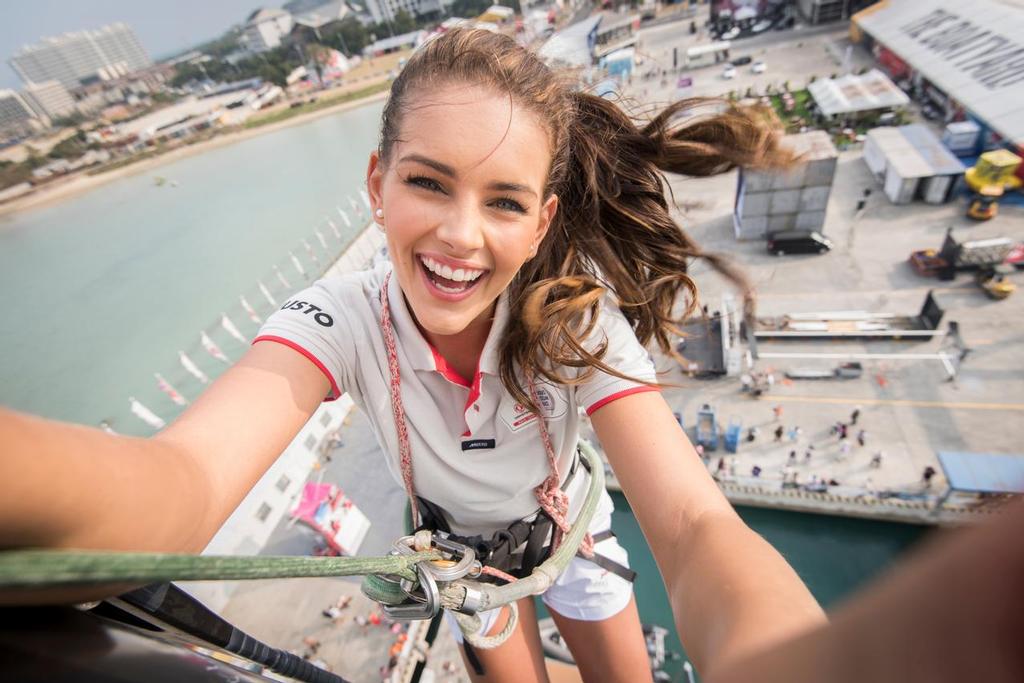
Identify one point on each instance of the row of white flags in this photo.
(211, 347)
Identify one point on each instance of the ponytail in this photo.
(613, 231)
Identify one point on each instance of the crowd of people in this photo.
(845, 438)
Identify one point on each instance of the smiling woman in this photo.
(533, 258)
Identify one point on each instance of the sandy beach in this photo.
(81, 183)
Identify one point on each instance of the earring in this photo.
(379, 213)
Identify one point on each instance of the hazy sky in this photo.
(163, 26)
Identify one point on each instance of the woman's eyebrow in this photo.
(427, 161)
(447, 170)
(511, 187)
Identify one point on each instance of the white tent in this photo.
(856, 93)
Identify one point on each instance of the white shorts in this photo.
(584, 590)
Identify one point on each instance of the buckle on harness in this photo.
(423, 597)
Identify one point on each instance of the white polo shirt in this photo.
(476, 451)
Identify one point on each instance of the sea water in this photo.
(102, 290)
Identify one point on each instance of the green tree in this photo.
(403, 22)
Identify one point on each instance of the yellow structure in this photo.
(989, 179)
(994, 168)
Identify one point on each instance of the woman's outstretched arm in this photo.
(65, 485)
(732, 594)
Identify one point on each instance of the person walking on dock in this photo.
(779, 432)
(844, 448)
(876, 459)
(862, 436)
(927, 475)
(807, 454)
(777, 411)
(854, 415)
(792, 458)
(843, 431)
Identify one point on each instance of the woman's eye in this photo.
(425, 183)
(509, 204)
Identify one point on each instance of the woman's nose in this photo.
(462, 229)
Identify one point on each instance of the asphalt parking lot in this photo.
(909, 408)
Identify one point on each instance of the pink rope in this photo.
(550, 496)
(552, 499)
(498, 573)
(404, 449)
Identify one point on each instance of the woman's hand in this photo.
(732, 594)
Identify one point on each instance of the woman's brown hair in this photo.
(613, 230)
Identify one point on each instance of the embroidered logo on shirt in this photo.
(552, 404)
(477, 444)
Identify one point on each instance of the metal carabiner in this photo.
(465, 564)
(421, 604)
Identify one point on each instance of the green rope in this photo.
(383, 591)
(39, 568)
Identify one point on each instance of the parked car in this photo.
(761, 26)
(731, 34)
(729, 72)
(740, 61)
(798, 242)
(759, 67)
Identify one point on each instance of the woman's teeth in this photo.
(457, 275)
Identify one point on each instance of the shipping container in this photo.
(769, 201)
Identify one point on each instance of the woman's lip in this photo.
(447, 296)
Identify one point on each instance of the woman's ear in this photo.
(547, 215)
(374, 180)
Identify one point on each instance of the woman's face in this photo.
(463, 204)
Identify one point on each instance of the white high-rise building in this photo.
(16, 116)
(71, 58)
(265, 28)
(385, 10)
(49, 99)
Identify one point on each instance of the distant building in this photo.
(81, 56)
(385, 10)
(17, 118)
(49, 99)
(265, 28)
(394, 44)
(314, 15)
(824, 11)
(964, 59)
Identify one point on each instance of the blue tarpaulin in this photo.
(984, 472)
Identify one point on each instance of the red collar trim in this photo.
(447, 371)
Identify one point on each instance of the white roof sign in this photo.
(972, 51)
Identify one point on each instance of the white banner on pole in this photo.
(230, 328)
(250, 310)
(145, 414)
(212, 348)
(192, 368)
(166, 387)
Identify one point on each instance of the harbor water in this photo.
(105, 288)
